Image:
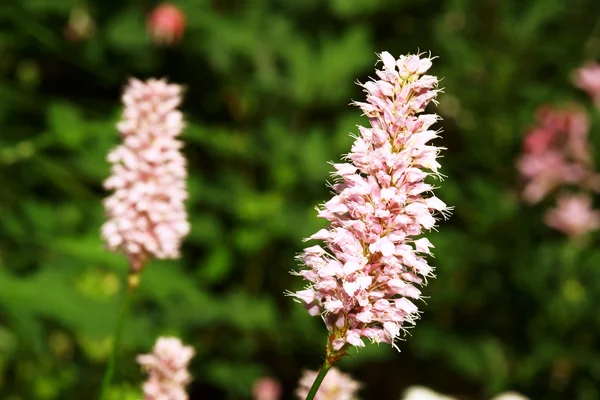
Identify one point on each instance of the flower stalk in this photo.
(133, 279)
(320, 376)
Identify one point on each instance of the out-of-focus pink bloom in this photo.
(573, 215)
(510, 396)
(566, 129)
(81, 26)
(363, 280)
(545, 172)
(166, 24)
(266, 388)
(555, 152)
(587, 78)
(335, 386)
(146, 213)
(539, 140)
(167, 370)
(423, 393)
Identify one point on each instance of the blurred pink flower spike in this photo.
(266, 388)
(167, 368)
(146, 216)
(556, 152)
(587, 78)
(364, 281)
(573, 215)
(166, 24)
(335, 386)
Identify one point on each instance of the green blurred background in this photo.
(514, 305)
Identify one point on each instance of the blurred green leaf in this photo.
(127, 30)
(66, 122)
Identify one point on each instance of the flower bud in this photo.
(166, 24)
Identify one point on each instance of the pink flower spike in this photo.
(556, 152)
(335, 386)
(372, 250)
(167, 370)
(146, 217)
(574, 215)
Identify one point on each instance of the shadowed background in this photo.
(514, 305)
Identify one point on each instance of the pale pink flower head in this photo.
(510, 396)
(364, 279)
(335, 386)
(587, 78)
(167, 368)
(146, 216)
(573, 215)
(423, 393)
(166, 24)
(266, 388)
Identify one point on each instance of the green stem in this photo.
(321, 375)
(132, 282)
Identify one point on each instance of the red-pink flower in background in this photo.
(587, 78)
(167, 368)
(335, 386)
(266, 388)
(146, 216)
(555, 152)
(363, 280)
(166, 24)
(573, 215)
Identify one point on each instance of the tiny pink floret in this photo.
(167, 368)
(363, 281)
(146, 217)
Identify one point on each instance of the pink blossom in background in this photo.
(573, 215)
(166, 24)
(546, 172)
(146, 216)
(510, 396)
(364, 280)
(266, 388)
(335, 386)
(167, 368)
(555, 152)
(424, 393)
(587, 78)
(565, 129)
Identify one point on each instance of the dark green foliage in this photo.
(514, 305)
